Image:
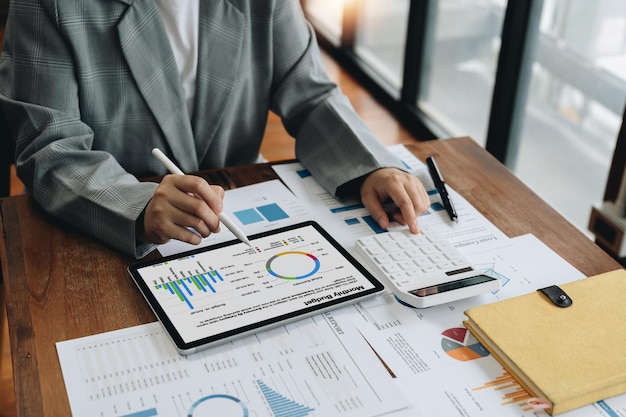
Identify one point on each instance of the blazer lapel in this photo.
(221, 33)
(147, 50)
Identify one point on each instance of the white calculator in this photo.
(423, 269)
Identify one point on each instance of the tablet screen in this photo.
(215, 293)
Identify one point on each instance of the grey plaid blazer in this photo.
(90, 87)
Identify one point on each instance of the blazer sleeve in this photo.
(332, 141)
(54, 149)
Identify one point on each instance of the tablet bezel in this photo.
(187, 348)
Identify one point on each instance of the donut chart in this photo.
(292, 265)
(218, 404)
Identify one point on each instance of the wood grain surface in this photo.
(61, 284)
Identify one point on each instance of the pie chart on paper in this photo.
(461, 345)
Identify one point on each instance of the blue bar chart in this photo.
(152, 412)
(282, 406)
(269, 212)
(185, 288)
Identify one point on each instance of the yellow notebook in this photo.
(570, 356)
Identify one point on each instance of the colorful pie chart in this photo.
(461, 345)
(292, 265)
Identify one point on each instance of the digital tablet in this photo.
(214, 294)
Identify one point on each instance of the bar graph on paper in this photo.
(262, 213)
(512, 392)
(129, 372)
(354, 214)
(228, 405)
(282, 406)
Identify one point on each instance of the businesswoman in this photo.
(91, 87)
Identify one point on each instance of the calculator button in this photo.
(383, 259)
(375, 250)
(398, 256)
(427, 250)
(391, 267)
(384, 240)
(367, 241)
(429, 268)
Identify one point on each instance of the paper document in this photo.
(255, 208)
(425, 362)
(440, 365)
(309, 368)
(349, 220)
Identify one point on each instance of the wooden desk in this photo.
(61, 284)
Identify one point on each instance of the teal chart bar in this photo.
(185, 288)
(146, 413)
(270, 212)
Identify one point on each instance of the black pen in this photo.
(440, 184)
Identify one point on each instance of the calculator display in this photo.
(451, 285)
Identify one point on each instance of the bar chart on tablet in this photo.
(207, 293)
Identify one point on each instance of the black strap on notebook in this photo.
(557, 296)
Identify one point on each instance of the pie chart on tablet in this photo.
(292, 265)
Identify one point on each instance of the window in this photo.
(327, 17)
(459, 70)
(573, 112)
(381, 37)
(541, 84)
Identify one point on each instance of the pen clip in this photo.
(440, 185)
(434, 171)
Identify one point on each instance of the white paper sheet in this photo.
(325, 365)
(310, 368)
(348, 220)
(438, 363)
(255, 208)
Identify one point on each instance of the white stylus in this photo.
(172, 168)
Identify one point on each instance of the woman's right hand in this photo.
(181, 203)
